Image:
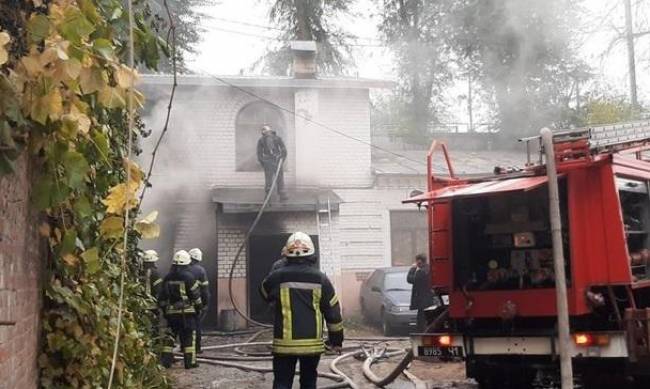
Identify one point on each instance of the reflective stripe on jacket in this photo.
(201, 275)
(303, 296)
(180, 292)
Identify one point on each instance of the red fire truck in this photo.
(491, 254)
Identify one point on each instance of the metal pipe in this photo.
(566, 370)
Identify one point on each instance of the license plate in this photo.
(436, 351)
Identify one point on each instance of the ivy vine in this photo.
(63, 92)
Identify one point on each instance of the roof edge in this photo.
(267, 82)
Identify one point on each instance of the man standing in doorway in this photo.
(302, 296)
(271, 151)
(421, 294)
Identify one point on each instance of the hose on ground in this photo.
(239, 350)
(259, 369)
(334, 368)
(245, 242)
(381, 382)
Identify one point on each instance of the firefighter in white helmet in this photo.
(302, 296)
(152, 283)
(180, 299)
(200, 274)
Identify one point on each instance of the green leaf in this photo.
(42, 193)
(104, 47)
(91, 260)
(76, 168)
(68, 242)
(38, 27)
(75, 26)
(101, 142)
(82, 207)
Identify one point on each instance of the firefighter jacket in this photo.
(180, 293)
(270, 148)
(152, 282)
(302, 296)
(200, 274)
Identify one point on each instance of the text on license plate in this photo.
(435, 351)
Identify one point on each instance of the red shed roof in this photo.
(482, 188)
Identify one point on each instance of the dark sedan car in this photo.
(385, 298)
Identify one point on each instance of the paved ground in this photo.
(436, 375)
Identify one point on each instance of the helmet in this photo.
(181, 258)
(266, 128)
(150, 256)
(299, 245)
(196, 254)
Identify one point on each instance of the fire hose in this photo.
(378, 354)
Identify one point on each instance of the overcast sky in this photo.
(239, 31)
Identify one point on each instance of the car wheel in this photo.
(386, 328)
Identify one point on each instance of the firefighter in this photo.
(421, 294)
(200, 274)
(302, 296)
(152, 283)
(180, 300)
(270, 151)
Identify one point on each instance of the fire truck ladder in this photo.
(586, 142)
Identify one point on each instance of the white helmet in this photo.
(181, 258)
(150, 256)
(299, 245)
(196, 254)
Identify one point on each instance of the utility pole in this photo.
(564, 338)
(629, 34)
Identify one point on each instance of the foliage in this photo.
(521, 52)
(63, 96)
(308, 20)
(414, 31)
(606, 110)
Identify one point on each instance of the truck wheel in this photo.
(386, 328)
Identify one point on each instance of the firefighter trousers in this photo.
(182, 327)
(284, 368)
(199, 320)
(269, 172)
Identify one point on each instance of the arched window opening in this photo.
(248, 126)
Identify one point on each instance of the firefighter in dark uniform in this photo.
(152, 284)
(180, 300)
(302, 296)
(202, 276)
(270, 151)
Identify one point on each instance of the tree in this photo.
(521, 53)
(415, 31)
(308, 20)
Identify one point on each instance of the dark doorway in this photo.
(263, 251)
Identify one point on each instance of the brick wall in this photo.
(20, 273)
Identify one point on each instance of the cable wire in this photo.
(131, 121)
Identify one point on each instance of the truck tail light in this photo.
(444, 340)
(588, 340)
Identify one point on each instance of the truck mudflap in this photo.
(583, 345)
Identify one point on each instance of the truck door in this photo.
(439, 227)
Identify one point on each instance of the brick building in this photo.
(21, 266)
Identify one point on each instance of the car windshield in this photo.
(396, 281)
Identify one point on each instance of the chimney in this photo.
(304, 59)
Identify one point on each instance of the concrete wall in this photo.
(20, 282)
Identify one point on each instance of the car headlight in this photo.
(399, 308)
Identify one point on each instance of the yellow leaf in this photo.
(116, 201)
(50, 105)
(147, 226)
(136, 174)
(92, 79)
(4, 39)
(32, 65)
(125, 77)
(112, 227)
(70, 260)
(80, 122)
(111, 97)
(48, 56)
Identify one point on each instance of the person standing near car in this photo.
(421, 294)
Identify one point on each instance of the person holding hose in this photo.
(180, 300)
(202, 276)
(271, 151)
(302, 296)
